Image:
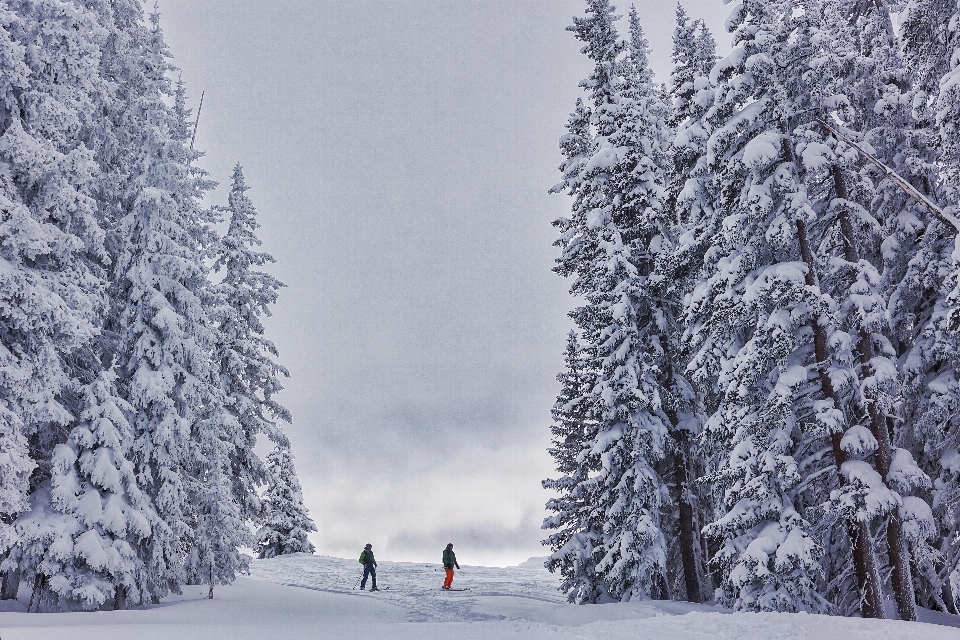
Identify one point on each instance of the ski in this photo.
(441, 589)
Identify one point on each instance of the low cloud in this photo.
(488, 502)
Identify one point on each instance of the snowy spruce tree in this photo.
(578, 546)
(80, 539)
(216, 515)
(690, 92)
(575, 520)
(125, 466)
(874, 241)
(924, 312)
(218, 526)
(751, 318)
(243, 357)
(164, 332)
(616, 174)
(885, 263)
(229, 471)
(800, 207)
(843, 392)
(52, 252)
(286, 523)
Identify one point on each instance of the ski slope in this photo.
(311, 597)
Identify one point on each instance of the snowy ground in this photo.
(311, 597)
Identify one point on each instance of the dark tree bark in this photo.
(861, 542)
(686, 521)
(39, 582)
(896, 550)
(10, 586)
(120, 598)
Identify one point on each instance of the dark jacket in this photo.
(449, 559)
(366, 557)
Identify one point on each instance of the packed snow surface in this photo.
(302, 596)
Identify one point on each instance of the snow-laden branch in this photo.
(936, 211)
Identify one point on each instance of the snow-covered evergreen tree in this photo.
(924, 299)
(51, 247)
(948, 112)
(79, 542)
(164, 332)
(576, 520)
(286, 522)
(688, 201)
(750, 318)
(694, 54)
(930, 31)
(926, 33)
(819, 297)
(243, 356)
(229, 472)
(216, 515)
(218, 524)
(867, 255)
(118, 451)
(792, 171)
(579, 524)
(610, 244)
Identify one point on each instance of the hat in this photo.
(449, 544)
(369, 546)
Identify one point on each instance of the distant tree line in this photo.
(761, 396)
(135, 378)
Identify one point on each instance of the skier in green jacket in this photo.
(369, 567)
(449, 562)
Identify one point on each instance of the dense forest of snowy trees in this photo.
(135, 378)
(761, 398)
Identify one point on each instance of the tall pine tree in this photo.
(243, 356)
(164, 332)
(611, 244)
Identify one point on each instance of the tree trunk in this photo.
(10, 585)
(120, 598)
(861, 542)
(898, 554)
(946, 594)
(38, 583)
(685, 522)
(688, 533)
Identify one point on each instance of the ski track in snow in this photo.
(414, 587)
(526, 600)
(303, 597)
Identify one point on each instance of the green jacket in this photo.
(366, 557)
(449, 559)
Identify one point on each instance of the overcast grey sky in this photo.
(399, 154)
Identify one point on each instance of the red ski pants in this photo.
(449, 579)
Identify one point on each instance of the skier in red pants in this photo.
(449, 562)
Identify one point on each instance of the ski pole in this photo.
(357, 582)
